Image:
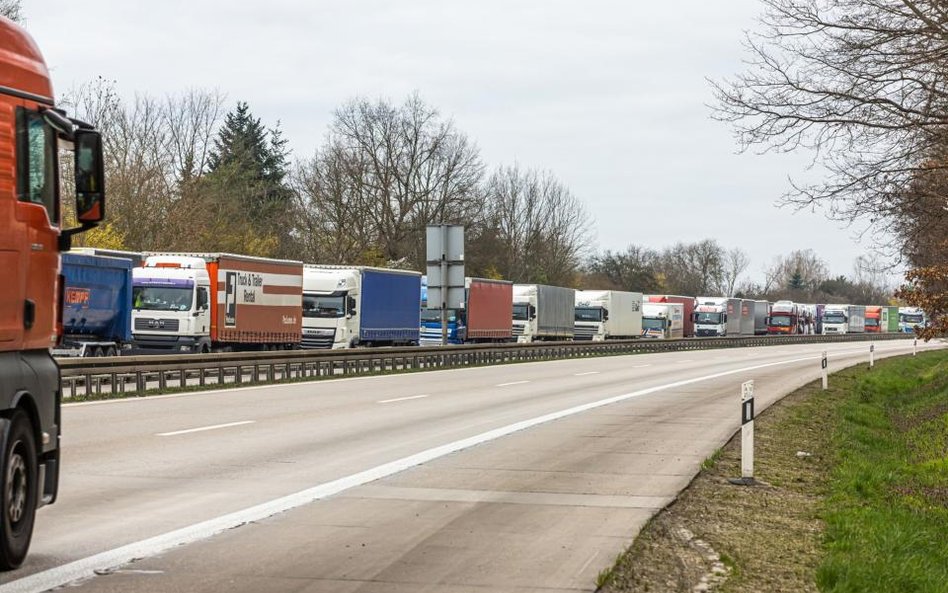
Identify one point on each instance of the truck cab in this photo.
(911, 318)
(331, 303)
(710, 319)
(874, 319)
(524, 317)
(171, 305)
(786, 318)
(591, 318)
(835, 320)
(662, 320)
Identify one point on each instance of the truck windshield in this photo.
(905, 318)
(872, 322)
(588, 313)
(709, 318)
(162, 298)
(780, 321)
(324, 306)
(834, 318)
(521, 312)
(653, 323)
(434, 315)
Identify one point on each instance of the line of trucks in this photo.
(128, 303)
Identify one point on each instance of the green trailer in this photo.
(890, 319)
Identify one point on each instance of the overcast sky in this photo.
(611, 96)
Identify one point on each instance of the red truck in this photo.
(874, 319)
(688, 306)
(32, 132)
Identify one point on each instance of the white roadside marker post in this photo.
(747, 436)
(824, 363)
(915, 347)
(872, 355)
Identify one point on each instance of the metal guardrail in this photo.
(85, 377)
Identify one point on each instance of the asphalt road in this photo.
(527, 477)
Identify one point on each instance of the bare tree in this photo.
(692, 268)
(12, 10)
(385, 172)
(541, 230)
(797, 275)
(860, 82)
(734, 263)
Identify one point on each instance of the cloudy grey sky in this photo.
(610, 95)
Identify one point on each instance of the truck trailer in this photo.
(663, 320)
(761, 312)
(542, 312)
(608, 315)
(97, 305)
(346, 307)
(31, 239)
(215, 302)
(688, 308)
(747, 317)
(484, 316)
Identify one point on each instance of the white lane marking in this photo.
(511, 383)
(640, 366)
(687, 360)
(86, 567)
(401, 399)
(586, 373)
(203, 428)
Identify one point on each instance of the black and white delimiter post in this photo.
(747, 431)
(872, 355)
(823, 364)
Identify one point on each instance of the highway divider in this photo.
(136, 375)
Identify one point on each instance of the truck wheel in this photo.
(111, 351)
(19, 477)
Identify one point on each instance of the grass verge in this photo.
(854, 496)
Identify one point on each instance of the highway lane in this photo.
(135, 469)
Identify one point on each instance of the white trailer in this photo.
(542, 312)
(608, 315)
(844, 319)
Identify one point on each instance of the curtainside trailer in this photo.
(97, 305)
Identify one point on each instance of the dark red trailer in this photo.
(488, 307)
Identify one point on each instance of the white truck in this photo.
(608, 315)
(717, 316)
(203, 302)
(663, 320)
(844, 319)
(344, 307)
(911, 318)
(542, 312)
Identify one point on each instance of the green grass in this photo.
(886, 512)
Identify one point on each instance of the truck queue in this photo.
(128, 303)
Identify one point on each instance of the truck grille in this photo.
(517, 330)
(584, 332)
(146, 324)
(322, 340)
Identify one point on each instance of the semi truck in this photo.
(484, 316)
(688, 309)
(911, 318)
(717, 316)
(97, 305)
(607, 315)
(874, 321)
(663, 320)
(350, 306)
(786, 318)
(542, 312)
(844, 319)
(747, 317)
(31, 240)
(215, 302)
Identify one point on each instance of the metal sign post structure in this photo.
(824, 364)
(445, 266)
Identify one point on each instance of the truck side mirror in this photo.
(533, 312)
(90, 177)
(350, 307)
(725, 318)
(605, 314)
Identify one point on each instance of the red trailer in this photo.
(688, 306)
(488, 307)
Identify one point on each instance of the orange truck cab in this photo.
(874, 319)
(32, 135)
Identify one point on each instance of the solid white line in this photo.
(401, 399)
(86, 567)
(640, 366)
(203, 428)
(511, 383)
(586, 373)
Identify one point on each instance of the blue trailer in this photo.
(97, 305)
(344, 307)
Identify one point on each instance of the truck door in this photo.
(202, 312)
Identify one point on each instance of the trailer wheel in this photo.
(19, 482)
(111, 351)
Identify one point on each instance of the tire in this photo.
(111, 351)
(19, 482)
(97, 352)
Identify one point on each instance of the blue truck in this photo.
(345, 307)
(97, 305)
